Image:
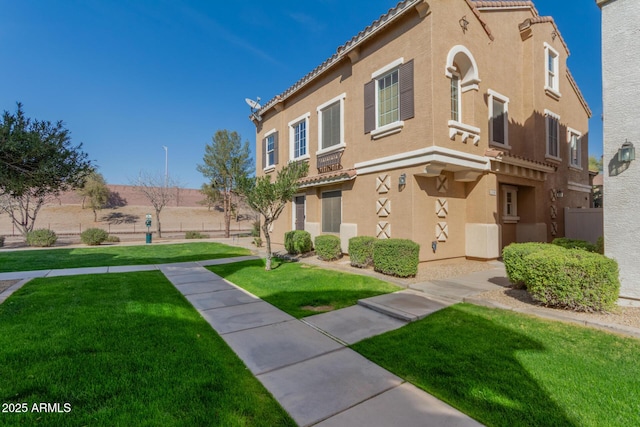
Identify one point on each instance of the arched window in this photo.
(462, 70)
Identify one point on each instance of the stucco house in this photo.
(621, 107)
(454, 123)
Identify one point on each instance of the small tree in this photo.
(95, 192)
(269, 198)
(37, 162)
(160, 195)
(227, 161)
(210, 196)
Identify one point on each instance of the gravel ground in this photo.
(520, 298)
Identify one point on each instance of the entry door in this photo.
(299, 202)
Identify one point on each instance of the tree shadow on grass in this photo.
(472, 363)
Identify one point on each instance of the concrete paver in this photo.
(17, 275)
(77, 271)
(131, 268)
(211, 285)
(245, 316)
(198, 276)
(224, 298)
(405, 405)
(274, 346)
(353, 324)
(227, 260)
(323, 386)
(405, 305)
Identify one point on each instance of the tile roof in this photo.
(328, 178)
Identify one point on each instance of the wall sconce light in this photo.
(402, 180)
(434, 246)
(559, 194)
(627, 152)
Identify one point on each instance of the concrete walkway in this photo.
(305, 364)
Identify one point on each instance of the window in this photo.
(270, 150)
(553, 131)
(510, 204)
(298, 138)
(455, 98)
(388, 99)
(331, 211)
(575, 148)
(331, 124)
(552, 76)
(499, 119)
(388, 108)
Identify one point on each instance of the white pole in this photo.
(166, 166)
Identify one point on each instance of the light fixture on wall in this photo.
(627, 152)
(402, 180)
(559, 194)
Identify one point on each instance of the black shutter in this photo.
(275, 148)
(369, 106)
(406, 91)
(264, 153)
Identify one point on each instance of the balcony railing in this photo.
(330, 161)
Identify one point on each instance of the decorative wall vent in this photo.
(383, 230)
(442, 208)
(383, 183)
(383, 207)
(554, 212)
(442, 183)
(442, 232)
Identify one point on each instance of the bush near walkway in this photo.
(297, 242)
(327, 247)
(41, 238)
(93, 236)
(396, 257)
(361, 251)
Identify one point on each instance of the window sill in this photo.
(576, 168)
(510, 219)
(301, 158)
(499, 145)
(553, 159)
(467, 131)
(386, 130)
(331, 149)
(269, 169)
(552, 93)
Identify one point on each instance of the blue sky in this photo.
(128, 77)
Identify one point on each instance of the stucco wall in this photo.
(621, 80)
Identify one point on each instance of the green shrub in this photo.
(574, 244)
(327, 247)
(1, 241)
(113, 239)
(396, 257)
(93, 236)
(513, 257)
(297, 242)
(600, 245)
(361, 251)
(257, 241)
(573, 279)
(255, 229)
(195, 235)
(41, 238)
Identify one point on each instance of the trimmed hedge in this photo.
(574, 244)
(573, 279)
(113, 239)
(513, 257)
(600, 245)
(297, 242)
(361, 251)
(41, 238)
(396, 257)
(93, 236)
(327, 247)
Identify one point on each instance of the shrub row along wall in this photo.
(567, 278)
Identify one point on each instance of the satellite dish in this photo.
(255, 105)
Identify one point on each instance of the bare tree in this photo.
(160, 195)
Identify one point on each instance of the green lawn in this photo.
(506, 369)
(122, 349)
(290, 286)
(100, 256)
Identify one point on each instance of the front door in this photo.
(299, 203)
